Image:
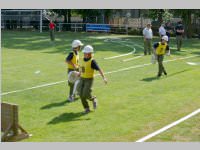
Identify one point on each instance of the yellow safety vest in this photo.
(74, 60)
(160, 50)
(86, 70)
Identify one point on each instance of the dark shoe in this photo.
(159, 75)
(87, 110)
(165, 73)
(70, 99)
(95, 103)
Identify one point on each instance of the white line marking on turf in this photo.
(132, 58)
(123, 69)
(35, 87)
(121, 55)
(193, 63)
(169, 126)
(119, 41)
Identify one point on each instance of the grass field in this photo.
(132, 105)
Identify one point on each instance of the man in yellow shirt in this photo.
(73, 64)
(160, 49)
(87, 67)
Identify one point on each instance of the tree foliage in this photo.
(66, 13)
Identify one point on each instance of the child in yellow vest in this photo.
(87, 67)
(160, 49)
(73, 64)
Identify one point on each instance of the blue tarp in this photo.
(98, 27)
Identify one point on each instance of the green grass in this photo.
(132, 105)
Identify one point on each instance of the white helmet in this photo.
(88, 49)
(165, 38)
(76, 43)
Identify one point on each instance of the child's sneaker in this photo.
(87, 110)
(95, 103)
(70, 99)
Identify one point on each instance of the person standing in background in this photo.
(51, 29)
(148, 35)
(179, 35)
(168, 30)
(162, 31)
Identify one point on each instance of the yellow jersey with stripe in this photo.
(74, 60)
(161, 49)
(86, 69)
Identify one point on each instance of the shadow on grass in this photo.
(65, 117)
(150, 79)
(196, 53)
(33, 41)
(57, 104)
(173, 74)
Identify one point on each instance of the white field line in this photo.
(134, 44)
(34, 87)
(193, 63)
(121, 42)
(132, 58)
(142, 47)
(119, 70)
(121, 55)
(169, 126)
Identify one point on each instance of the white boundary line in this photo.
(121, 55)
(169, 126)
(193, 63)
(119, 70)
(34, 87)
(120, 42)
(132, 58)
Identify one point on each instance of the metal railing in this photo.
(81, 27)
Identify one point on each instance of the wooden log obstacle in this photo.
(11, 131)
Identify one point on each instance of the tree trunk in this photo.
(65, 21)
(84, 26)
(69, 19)
(189, 25)
(106, 19)
(160, 14)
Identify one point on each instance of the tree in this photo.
(160, 15)
(87, 13)
(107, 14)
(103, 14)
(66, 13)
(157, 14)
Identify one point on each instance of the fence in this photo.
(131, 22)
(81, 27)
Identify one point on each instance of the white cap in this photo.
(165, 38)
(88, 49)
(76, 43)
